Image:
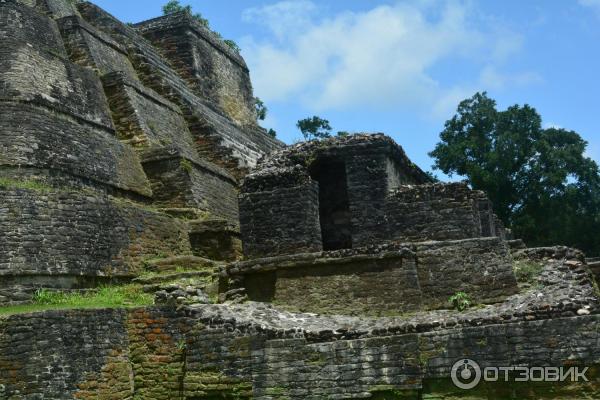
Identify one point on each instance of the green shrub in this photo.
(232, 45)
(460, 301)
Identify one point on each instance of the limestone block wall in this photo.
(29, 75)
(19, 23)
(218, 138)
(145, 119)
(436, 212)
(180, 182)
(383, 281)
(42, 138)
(57, 8)
(90, 47)
(282, 219)
(159, 354)
(77, 238)
(213, 70)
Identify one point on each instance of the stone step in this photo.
(171, 277)
(194, 263)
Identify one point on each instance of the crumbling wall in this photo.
(159, 354)
(435, 212)
(90, 47)
(180, 182)
(280, 214)
(218, 138)
(382, 280)
(72, 239)
(212, 69)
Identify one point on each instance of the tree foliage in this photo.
(261, 109)
(314, 128)
(540, 181)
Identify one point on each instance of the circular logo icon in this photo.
(466, 374)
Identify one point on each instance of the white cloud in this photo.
(594, 4)
(382, 57)
(491, 78)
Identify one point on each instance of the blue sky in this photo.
(401, 67)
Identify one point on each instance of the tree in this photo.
(314, 128)
(261, 109)
(271, 132)
(174, 6)
(541, 183)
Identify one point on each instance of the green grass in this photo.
(527, 271)
(104, 297)
(8, 183)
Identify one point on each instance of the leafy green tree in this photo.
(314, 128)
(261, 109)
(541, 183)
(343, 133)
(271, 132)
(174, 6)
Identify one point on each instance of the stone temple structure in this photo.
(334, 269)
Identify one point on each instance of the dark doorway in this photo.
(334, 208)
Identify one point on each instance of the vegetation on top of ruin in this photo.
(125, 296)
(317, 128)
(174, 6)
(542, 184)
(261, 109)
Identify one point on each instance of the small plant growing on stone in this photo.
(232, 45)
(186, 165)
(272, 133)
(460, 301)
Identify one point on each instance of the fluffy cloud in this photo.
(593, 4)
(383, 57)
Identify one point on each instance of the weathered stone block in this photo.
(144, 119)
(29, 75)
(180, 182)
(382, 281)
(65, 238)
(213, 70)
(22, 24)
(218, 138)
(90, 47)
(37, 137)
(216, 239)
(281, 221)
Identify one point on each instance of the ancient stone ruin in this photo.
(333, 269)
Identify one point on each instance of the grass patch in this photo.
(527, 271)
(8, 183)
(105, 297)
